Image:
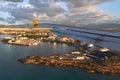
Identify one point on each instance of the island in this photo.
(76, 60)
(89, 56)
(32, 36)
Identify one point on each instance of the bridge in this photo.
(103, 38)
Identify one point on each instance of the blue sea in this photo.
(11, 69)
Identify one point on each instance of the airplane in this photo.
(103, 38)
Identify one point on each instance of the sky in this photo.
(77, 12)
(112, 8)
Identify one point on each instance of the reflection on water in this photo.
(55, 44)
(64, 45)
(3, 36)
(11, 69)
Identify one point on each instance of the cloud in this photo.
(54, 11)
(13, 0)
(51, 8)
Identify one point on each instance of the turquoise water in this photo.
(11, 69)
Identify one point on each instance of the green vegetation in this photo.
(35, 36)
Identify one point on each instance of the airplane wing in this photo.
(103, 38)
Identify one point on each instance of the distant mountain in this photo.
(104, 26)
(17, 26)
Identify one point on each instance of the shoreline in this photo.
(56, 61)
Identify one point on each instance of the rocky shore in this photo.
(58, 61)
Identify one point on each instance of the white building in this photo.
(75, 52)
(104, 49)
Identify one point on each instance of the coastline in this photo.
(56, 61)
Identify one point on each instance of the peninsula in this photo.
(109, 65)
